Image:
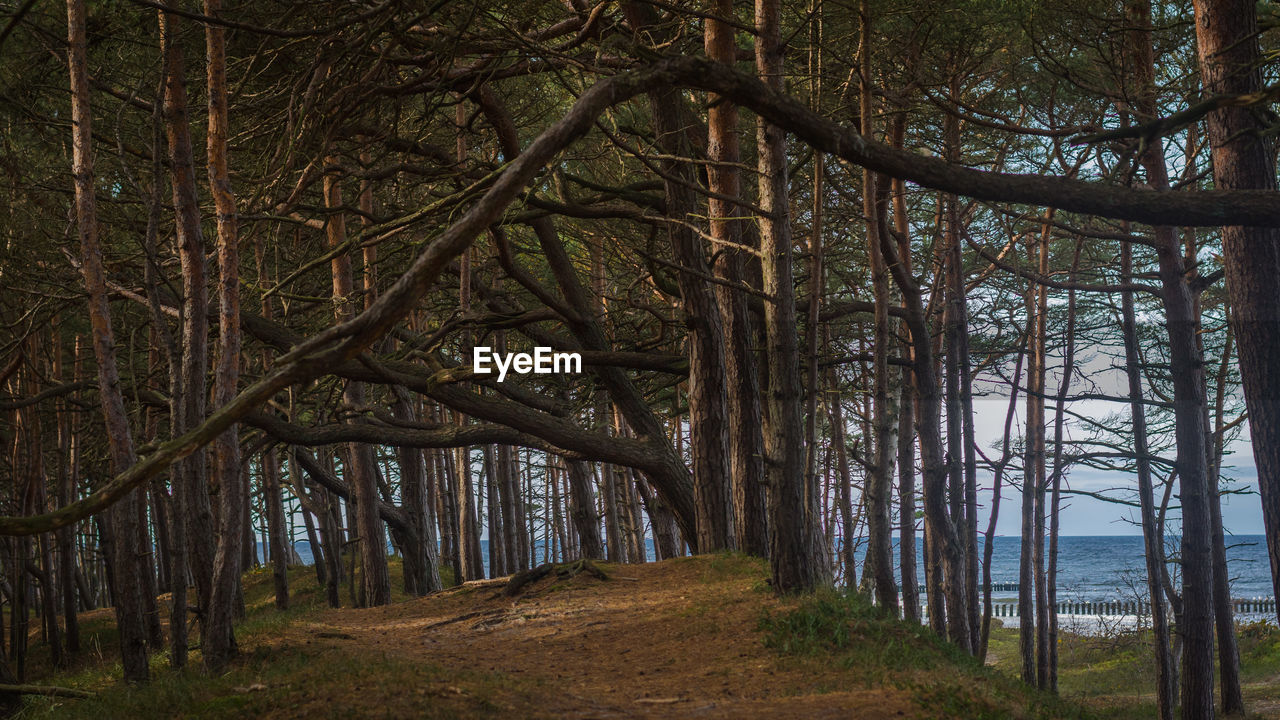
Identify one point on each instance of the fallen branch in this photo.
(46, 690)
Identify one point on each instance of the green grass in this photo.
(845, 628)
(1114, 676)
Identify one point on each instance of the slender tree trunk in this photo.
(1037, 460)
(360, 468)
(468, 525)
(66, 537)
(879, 483)
(997, 487)
(218, 642)
(1031, 561)
(191, 486)
(1064, 386)
(1224, 618)
(128, 602)
(836, 413)
(280, 544)
(1152, 534)
(906, 407)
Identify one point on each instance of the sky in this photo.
(1241, 514)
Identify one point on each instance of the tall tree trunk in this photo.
(796, 560)
(879, 483)
(742, 381)
(1055, 482)
(68, 471)
(1031, 560)
(1243, 159)
(191, 482)
(708, 396)
(1186, 365)
(962, 471)
(123, 514)
(1224, 619)
(997, 487)
(360, 467)
(280, 539)
(1038, 457)
(218, 642)
(906, 406)
(1152, 532)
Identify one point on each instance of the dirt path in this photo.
(668, 640)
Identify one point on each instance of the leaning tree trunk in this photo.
(124, 559)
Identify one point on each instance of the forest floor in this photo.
(689, 638)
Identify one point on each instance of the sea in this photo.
(1091, 568)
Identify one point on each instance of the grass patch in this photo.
(848, 627)
(1114, 675)
(845, 628)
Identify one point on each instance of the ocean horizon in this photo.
(1090, 567)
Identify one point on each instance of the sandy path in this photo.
(668, 640)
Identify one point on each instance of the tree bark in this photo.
(1152, 531)
(363, 480)
(879, 483)
(742, 382)
(1243, 159)
(218, 642)
(123, 515)
(796, 559)
(191, 486)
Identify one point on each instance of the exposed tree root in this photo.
(523, 578)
